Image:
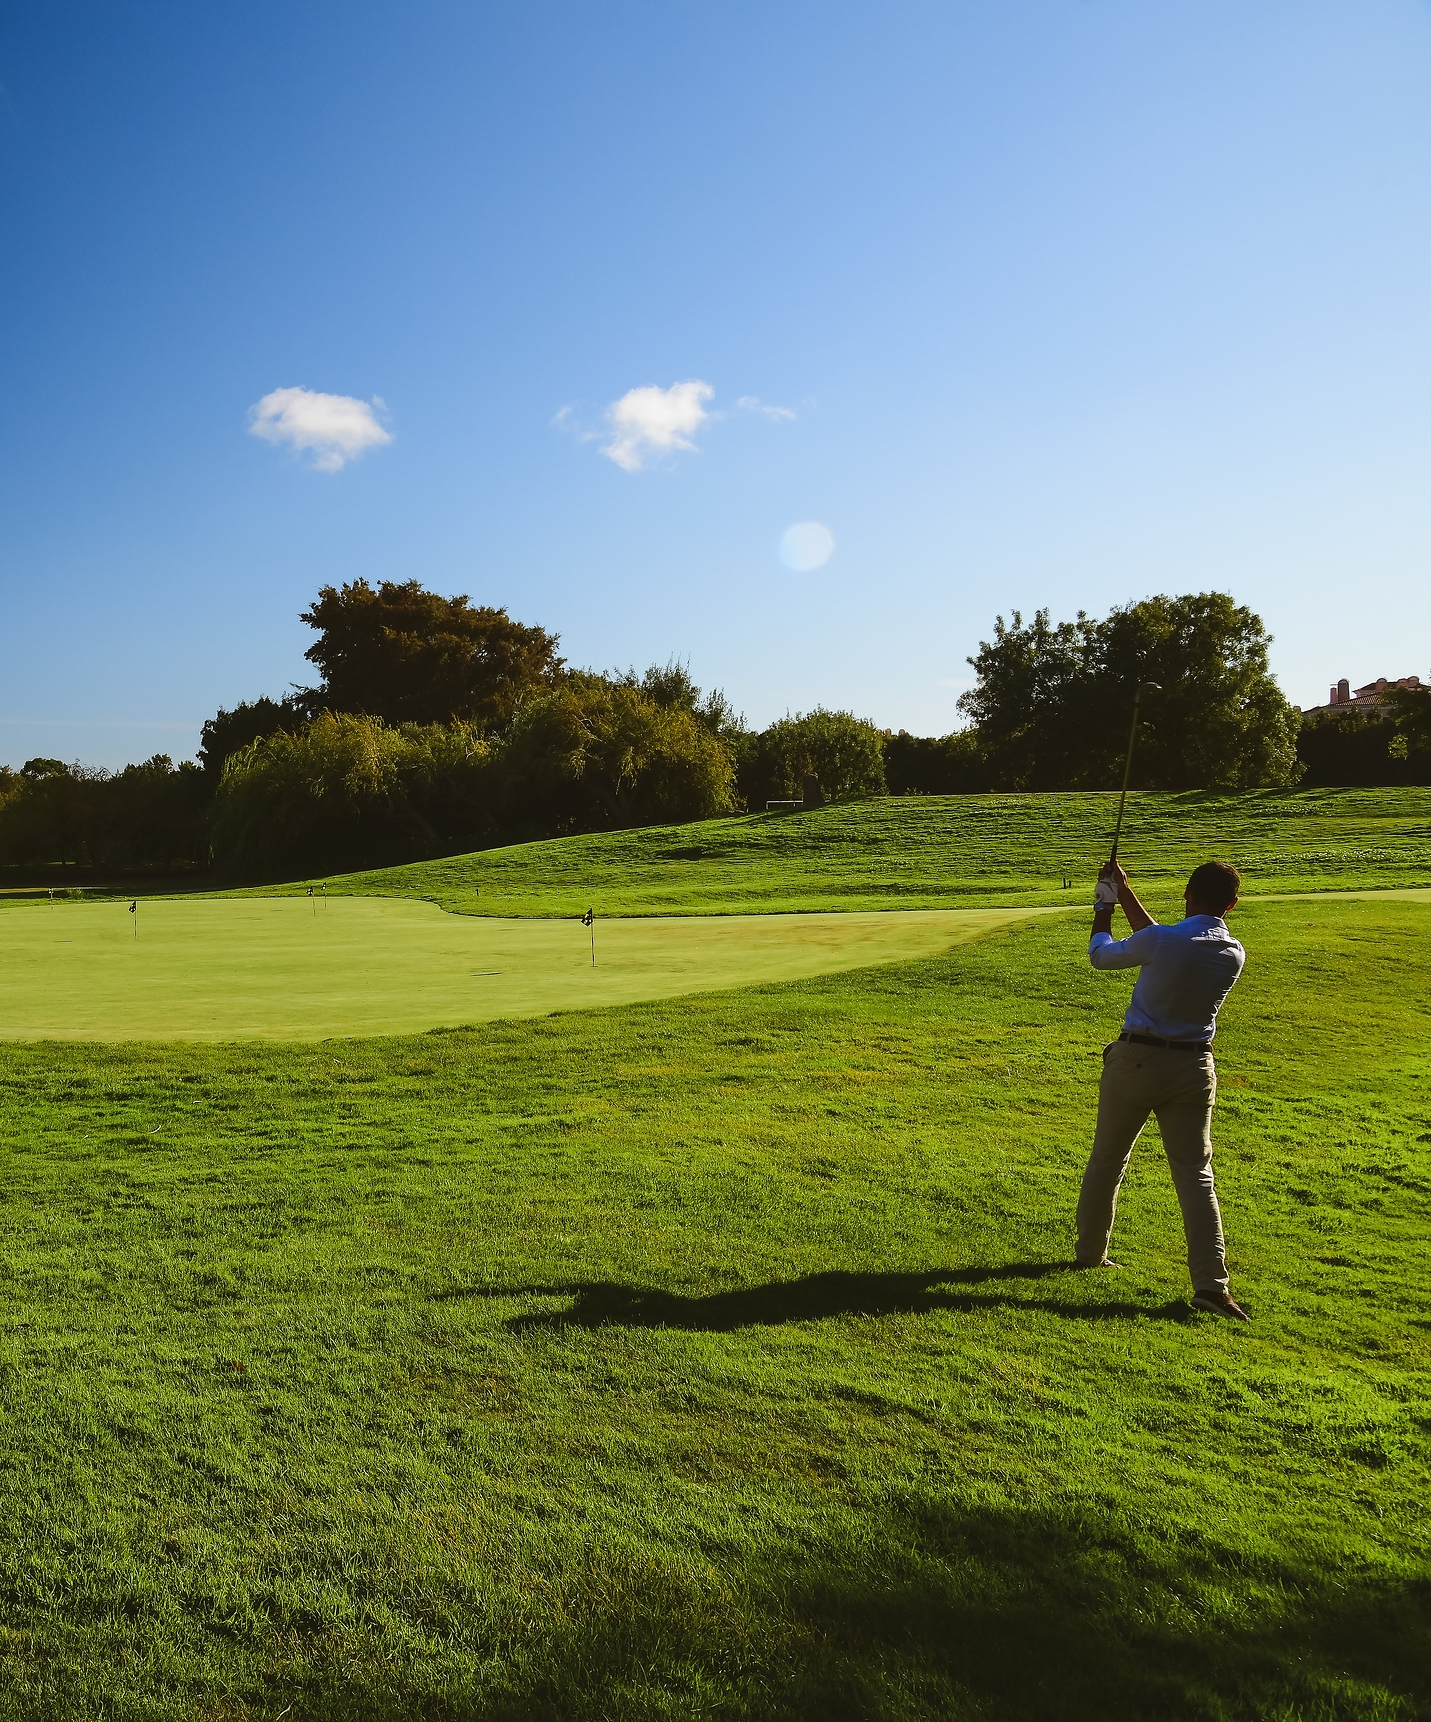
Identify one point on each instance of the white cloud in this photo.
(754, 404)
(650, 421)
(336, 428)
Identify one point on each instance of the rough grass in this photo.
(934, 852)
(720, 1357)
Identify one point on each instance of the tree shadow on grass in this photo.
(814, 1297)
(926, 1611)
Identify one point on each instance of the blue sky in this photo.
(1058, 303)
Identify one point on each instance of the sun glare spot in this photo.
(806, 546)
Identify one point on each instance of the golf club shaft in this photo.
(1127, 773)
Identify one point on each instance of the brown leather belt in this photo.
(1172, 1045)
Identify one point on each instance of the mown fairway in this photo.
(297, 969)
(937, 851)
(719, 1356)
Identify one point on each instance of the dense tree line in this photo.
(439, 726)
(1390, 746)
(146, 816)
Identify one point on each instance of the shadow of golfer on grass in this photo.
(813, 1297)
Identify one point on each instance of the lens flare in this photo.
(806, 546)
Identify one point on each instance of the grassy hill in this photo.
(944, 851)
(720, 1357)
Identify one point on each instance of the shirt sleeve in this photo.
(1106, 952)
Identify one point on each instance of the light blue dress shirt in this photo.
(1188, 970)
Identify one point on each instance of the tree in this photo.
(147, 815)
(1410, 710)
(1390, 745)
(250, 720)
(51, 816)
(1052, 702)
(599, 752)
(844, 752)
(936, 765)
(347, 791)
(409, 656)
(670, 685)
(150, 815)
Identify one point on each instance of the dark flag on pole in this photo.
(134, 910)
(589, 920)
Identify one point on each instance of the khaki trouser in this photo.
(1180, 1087)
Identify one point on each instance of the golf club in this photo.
(1143, 688)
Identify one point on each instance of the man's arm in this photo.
(1106, 952)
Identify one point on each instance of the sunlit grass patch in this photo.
(721, 1355)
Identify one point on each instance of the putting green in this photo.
(272, 969)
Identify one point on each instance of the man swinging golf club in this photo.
(1162, 1061)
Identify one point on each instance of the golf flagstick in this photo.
(589, 920)
(134, 910)
(1143, 687)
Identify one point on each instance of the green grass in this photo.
(295, 969)
(936, 852)
(717, 1357)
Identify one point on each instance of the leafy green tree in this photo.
(152, 815)
(844, 752)
(347, 791)
(670, 685)
(1410, 712)
(51, 816)
(1052, 702)
(597, 752)
(1389, 746)
(936, 765)
(250, 720)
(410, 656)
(148, 815)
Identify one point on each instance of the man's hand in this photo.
(1113, 889)
(1111, 878)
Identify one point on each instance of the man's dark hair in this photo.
(1215, 883)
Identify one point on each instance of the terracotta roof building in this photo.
(1368, 699)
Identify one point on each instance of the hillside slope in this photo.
(935, 851)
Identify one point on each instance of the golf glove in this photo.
(1105, 895)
